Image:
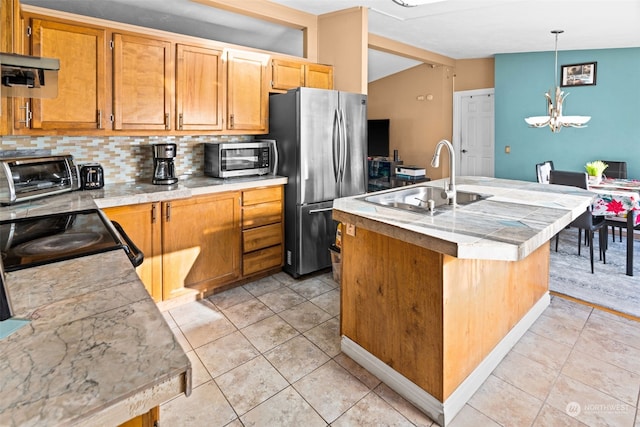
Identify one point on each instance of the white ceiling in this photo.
(460, 29)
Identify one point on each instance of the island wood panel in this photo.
(391, 305)
(432, 317)
(483, 301)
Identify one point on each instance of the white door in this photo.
(473, 135)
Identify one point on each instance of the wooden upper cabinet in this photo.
(142, 83)
(286, 75)
(319, 76)
(80, 104)
(247, 91)
(199, 88)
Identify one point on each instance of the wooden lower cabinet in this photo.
(141, 222)
(200, 243)
(205, 242)
(150, 419)
(186, 243)
(262, 230)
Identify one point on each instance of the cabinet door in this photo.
(247, 94)
(319, 76)
(11, 39)
(80, 103)
(286, 75)
(199, 88)
(201, 241)
(142, 83)
(141, 223)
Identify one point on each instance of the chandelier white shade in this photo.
(555, 120)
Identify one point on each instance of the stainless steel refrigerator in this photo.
(321, 137)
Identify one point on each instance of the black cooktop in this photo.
(28, 242)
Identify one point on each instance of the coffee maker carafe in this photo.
(163, 167)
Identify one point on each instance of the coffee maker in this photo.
(163, 167)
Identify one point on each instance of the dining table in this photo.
(618, 198)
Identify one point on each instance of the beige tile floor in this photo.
(268, 354)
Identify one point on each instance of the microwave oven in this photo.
(233, 159)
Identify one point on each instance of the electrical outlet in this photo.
(351, 229)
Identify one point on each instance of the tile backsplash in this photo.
(124, 158)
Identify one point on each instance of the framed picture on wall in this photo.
(579, 74)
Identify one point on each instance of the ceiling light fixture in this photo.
(555, 120)
(413, 3)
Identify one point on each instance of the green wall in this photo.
(613, 104)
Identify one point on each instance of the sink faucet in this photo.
(449, 191)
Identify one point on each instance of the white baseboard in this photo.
(440, 412)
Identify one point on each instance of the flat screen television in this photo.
(378, 138)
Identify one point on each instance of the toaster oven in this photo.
(26, 178)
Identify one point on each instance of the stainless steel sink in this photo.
(417, 199)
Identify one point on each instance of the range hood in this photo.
(29, 76)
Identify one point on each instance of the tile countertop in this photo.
(132, 193)
(516, 219)
(96, 349)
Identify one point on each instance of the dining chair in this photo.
(543, 170)
(585, 221)
(617, 170)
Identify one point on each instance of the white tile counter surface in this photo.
(132, 193)
(516, 219)
(97, 351)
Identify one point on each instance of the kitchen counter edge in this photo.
(531, 215)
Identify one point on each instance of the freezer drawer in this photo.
(317, 232)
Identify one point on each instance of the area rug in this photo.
(609, 286)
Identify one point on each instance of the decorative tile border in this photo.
(125, 158)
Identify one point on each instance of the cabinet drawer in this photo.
(262, 214)
(261, 195)
(261, 237)
(261, 260)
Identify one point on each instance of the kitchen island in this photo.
(430, 303)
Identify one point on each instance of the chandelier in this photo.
(555, 120)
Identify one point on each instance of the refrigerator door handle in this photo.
(274, 147)
(343, 150)
(335, 145)
(312, 211)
